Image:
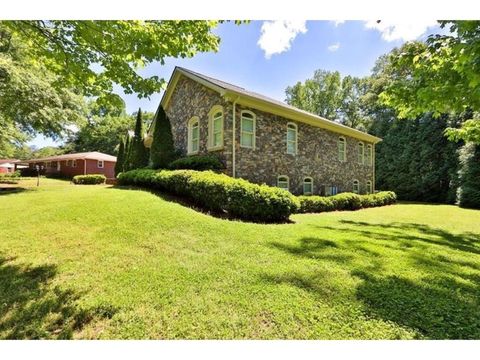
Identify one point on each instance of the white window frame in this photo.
(194, 120)
(361, 156)
(369, 187)
(357, 184)
(211, 136)
(342, 140)
(311, 184)
(74, 163)
(291, 126)
(369, 159)
(287, 182)
(100, 162)
(253, 133)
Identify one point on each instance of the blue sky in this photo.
(266, 57)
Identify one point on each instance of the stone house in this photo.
(264, 140)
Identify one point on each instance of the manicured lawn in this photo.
(103, 262)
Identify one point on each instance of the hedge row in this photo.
(92, 179)
(10, 178)
(197, 162)
(219, 192)
(345, 201)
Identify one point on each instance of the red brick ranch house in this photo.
(264, 140)
(69, 165)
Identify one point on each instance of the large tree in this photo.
(138, 153)
(162, 150)
(441, 75)
(329, 95)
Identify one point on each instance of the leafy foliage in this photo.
(469, 191)
(198, 162)
(91, 179)
(138, 154)
(440, 76)
(162, 150)
(119, 165)
(219, 192)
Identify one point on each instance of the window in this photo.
(308, 186)
(247, 130)
(342, 149)
(100, 164)
(193, 135)
(369, 155)
(282, 182)
(330, 190)
(291, 139)
(361, 152)
(48, 164)
(215, 128)
(356, 186)
(74, 163)
(369, 187)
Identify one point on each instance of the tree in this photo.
(127, 162)
(30, 102)
(138, 153)
(119, 165)
(441, 76)
(469, 191)
(331, 97)
(92, 56)
(162, 150)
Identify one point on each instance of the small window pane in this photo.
(291, 135)
(217, 125)
(217, 139)
(247, 140)
(247, 125)
(291, 147)
(282, 183)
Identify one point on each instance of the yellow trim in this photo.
(193, 120)
(210, 139)
(296, 137)
(362, 160)
(254, 118)
(344, 149)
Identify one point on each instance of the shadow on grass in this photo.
(442, 304)
(30, 308)
(11, 190)
(187, 202)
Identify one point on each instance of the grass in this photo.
(104, 262)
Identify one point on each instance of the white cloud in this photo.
(277, 36)
(338, 22)
(400, 30)
(334, 47)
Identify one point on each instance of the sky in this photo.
(268, 56)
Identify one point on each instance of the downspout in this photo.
(233, 136)
(373, 163)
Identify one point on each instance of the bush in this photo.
(219, 192)
(197, 162)
(92, 179)
(345, 201)
(10, 178)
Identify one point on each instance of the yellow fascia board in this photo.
(301, 116)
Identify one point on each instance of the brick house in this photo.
(69, 165)
(264, 140)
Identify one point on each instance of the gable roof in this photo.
(92, 155)
(252, 99)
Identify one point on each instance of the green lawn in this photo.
(103, 262)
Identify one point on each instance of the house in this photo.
(265, 140)
(7, 165)
(69, 165)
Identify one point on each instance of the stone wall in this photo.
(317, 155)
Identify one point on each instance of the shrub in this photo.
(162, 150)
(345, 201)
(469, 174)
(10, 178)
(197, 162)
(219, 192)
(92, 179)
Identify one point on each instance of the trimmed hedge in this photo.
(345, 201)
(197, 162)
(91, 179)
(218, 192)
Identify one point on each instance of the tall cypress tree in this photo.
(469, 191)
(127, 164)
(120, 158)
(139, 154)
(162, 150)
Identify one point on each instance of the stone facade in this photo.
(317, 155)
